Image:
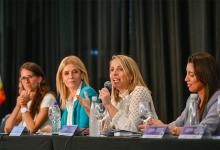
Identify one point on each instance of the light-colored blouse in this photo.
(128, 117)
(210, 117)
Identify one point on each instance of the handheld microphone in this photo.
(108, 85)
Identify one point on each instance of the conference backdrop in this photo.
(158, 34)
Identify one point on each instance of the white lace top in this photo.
(127, 117)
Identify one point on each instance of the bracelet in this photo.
(24, 109)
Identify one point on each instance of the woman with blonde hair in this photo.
(72, 81)
(128, 91)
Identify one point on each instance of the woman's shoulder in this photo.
(216, 94)
(48, 100)
(49, 96)
(140, 89)
(214, 98)
(141, 92)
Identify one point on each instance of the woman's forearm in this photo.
(111, 110)
(13, 119)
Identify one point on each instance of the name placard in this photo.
(154, 132)
(216, 137)
(192, 132)
(126, 133)
(68, 130)
(17, 130)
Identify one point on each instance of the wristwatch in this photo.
(24, 109)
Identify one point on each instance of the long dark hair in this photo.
(206, 71)
(42, 88)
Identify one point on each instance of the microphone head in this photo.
(108, 85)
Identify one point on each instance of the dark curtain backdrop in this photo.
(158, 34)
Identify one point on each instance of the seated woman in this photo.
(72, 80)
(33, 101)
(128, 90)
(203, 78)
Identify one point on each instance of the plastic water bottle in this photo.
(193, 115)
(93, 122)
(54, 116)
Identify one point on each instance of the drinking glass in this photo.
(193, 114)
(145, 112)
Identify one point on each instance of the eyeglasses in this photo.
(22, 79)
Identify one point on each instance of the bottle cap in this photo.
(94, 98)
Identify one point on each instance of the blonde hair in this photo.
(132, 70)
(61, 87)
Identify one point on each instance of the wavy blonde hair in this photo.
(62, 90)
(132, 71)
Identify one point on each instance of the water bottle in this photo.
(193, 115)
(54, 116)
(93, 122)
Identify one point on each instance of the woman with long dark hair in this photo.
(202, 78)
(34, 99)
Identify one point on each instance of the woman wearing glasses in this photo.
(34, 99)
